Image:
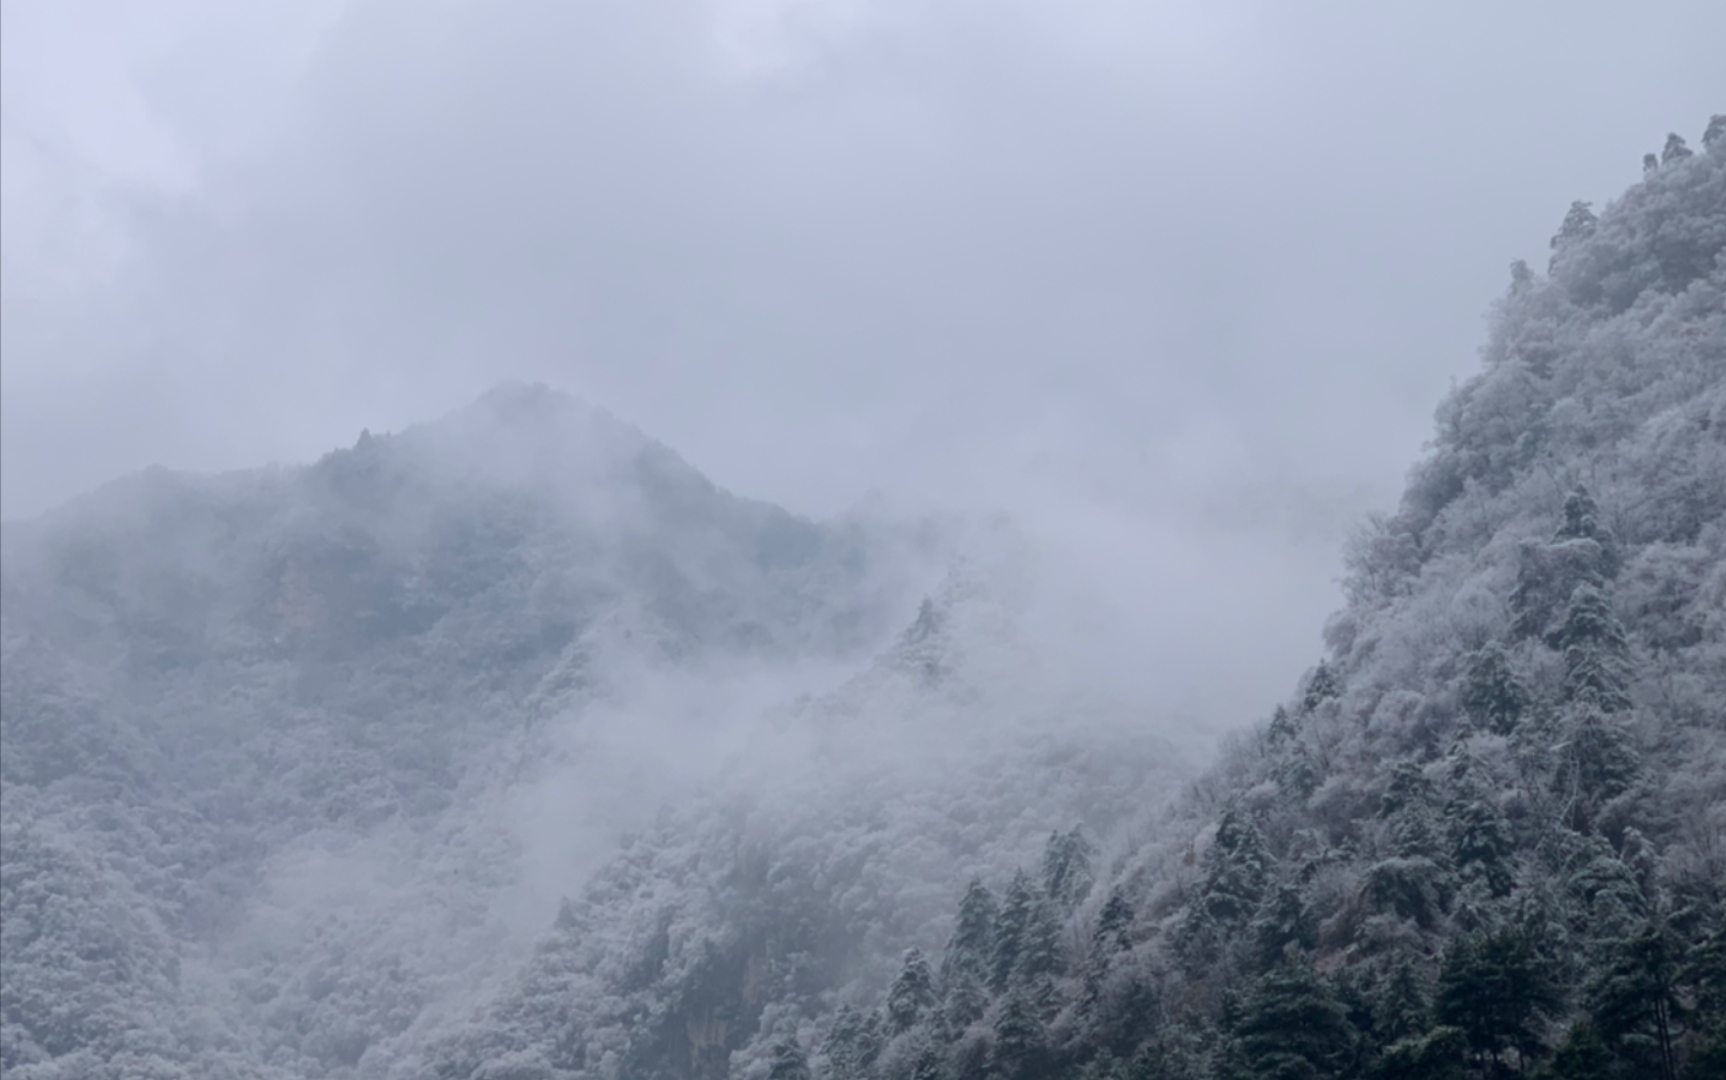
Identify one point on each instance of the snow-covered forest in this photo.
(321, 771)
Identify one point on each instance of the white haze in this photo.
(1178, 283)
(1145, 303)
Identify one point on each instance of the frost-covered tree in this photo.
(1715, 132)
(912, 995)
(1292, 1027)
(966, 967)
(1067, 875)
(1579, 224)
(1493, 695)
(1596, 651)
(1324, 685)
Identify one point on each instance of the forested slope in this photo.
(1486, 838)
(256, 728)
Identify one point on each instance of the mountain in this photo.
(250, 719)
(1484, 838)
(321, 771)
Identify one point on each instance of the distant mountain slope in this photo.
(833, 842)
(1487, 838)
(204, 677)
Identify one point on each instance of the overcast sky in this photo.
(1180, 277)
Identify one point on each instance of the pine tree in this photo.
(1596, 762)
(1635, 1005)
(1237, 866)
(1117, 1006)
(1021, 1044)
(1282, 921)
(1498, 990)
(1407, 787)
(970, 952)
(1703, 973)
(1237, 869)
(1403, 1011)
(1579, 223)
(1291, 1026)
(1323, 686)
(912, 994)
(1114, 925)
(1067, 875)
(851, 1045)
(1716, 130)
(1282, 727)
(1650, 164)
(1015, 916)
(1596, 651)
(1492, 695)
(1674, 150)
(1581, 516)
(1040, 956)
(1479, 843)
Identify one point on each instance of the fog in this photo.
(1176, 284)
(1086, 331)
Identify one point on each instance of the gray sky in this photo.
(1181, 280)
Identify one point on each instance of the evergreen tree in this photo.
(1596, 763)
(1716, 130)
(1498, 990)
(1493, 696)
(1067, 875)
(1479, 843)
(1040, 954)
(1703, 973)
(1018, 910)
(1118, 1005)
(1237, 867)
(1407, 787)
(1650, 164)
(1403, 1011)
(1635, 1004)
(970, 952)
(1282, 921)
(1579, 224)
(912, 995)
(1296, 774)
(1291, 1026)
(1113, 933)
(1674, 150)
(1282, 727)
(1581, 516)
(851, 1045)
(1021, 1048)
(1323, 686)
(1596, 651)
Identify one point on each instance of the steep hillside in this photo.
(1487, 837)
